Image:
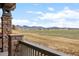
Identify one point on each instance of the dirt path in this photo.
(70, 46)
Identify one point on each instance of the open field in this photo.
(72, 34)
(66, 41)
(62, 40)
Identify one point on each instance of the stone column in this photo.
(6, 29)
(13, 44)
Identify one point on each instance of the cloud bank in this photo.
(64, 18)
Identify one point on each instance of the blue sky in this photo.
(46, 14)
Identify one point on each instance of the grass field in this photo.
(66, 41)
(72, 34)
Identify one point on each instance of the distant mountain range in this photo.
(29, 27)
(40, 27)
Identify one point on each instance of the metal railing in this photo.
(30, 49)
(19, 47)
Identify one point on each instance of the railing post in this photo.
(12, 42)
(9, 46)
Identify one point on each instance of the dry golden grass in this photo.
(66, 45)
(14, 31)
(69, 46)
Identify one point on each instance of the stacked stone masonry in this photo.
(6, 29)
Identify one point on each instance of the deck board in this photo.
(3, 53)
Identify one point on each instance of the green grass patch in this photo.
(72, 33)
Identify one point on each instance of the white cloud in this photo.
(70, 13)
(50, 9)
(65, 18)
(20, 21)
(29, 11)
(71, 24)
(39, 12)
(66, 13)
(35, 12)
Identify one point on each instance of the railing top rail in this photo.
(15, 35)
(44, 48)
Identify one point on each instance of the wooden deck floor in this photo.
(3, 53)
